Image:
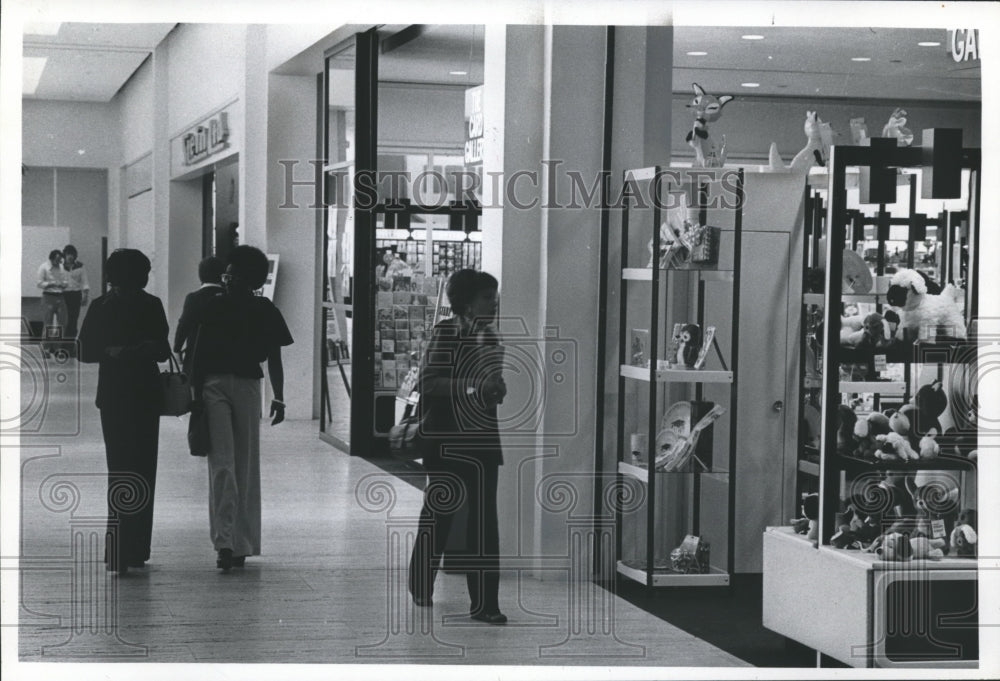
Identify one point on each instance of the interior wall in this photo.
(750, 124)
(205, 68)
(414, 115)
(53, 133)
(134, 104)
(292, 232)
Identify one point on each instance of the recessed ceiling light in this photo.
(752, 36)
(41, 28)
(929, 44)
(861, 58)
(749, 84)
(81, 151)
(697, 54)
(33, 67)
(458, 73)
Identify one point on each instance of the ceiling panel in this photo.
(818, 62)
(89, 62)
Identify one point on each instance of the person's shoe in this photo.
(225, 560)
(489, 617)
(122, 569)
(239, 561)
(423, 601)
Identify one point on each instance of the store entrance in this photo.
(220, 200)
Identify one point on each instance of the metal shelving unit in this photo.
(678, 494)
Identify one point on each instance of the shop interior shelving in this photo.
(949, 239)
(864, 624)
(698, 500)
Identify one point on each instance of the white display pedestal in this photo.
(866, 612)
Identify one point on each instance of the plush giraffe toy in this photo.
(707, 108)
(819, 137)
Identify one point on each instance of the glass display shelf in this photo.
(677, 375)
(664, 576)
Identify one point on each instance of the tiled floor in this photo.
(328, 589)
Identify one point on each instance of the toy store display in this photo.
(683, 241)
(681, 441)
(819, 139)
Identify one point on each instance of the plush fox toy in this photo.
(707, 108)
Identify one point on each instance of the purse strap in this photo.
(175, 367)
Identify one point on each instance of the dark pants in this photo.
(131, 433)
(73, 299)
(475, 484)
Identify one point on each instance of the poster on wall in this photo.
(272, 274)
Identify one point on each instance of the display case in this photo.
(893, 567)
(677, 388)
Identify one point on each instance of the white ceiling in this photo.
(88, 62)
(817, 62)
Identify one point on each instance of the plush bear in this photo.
(866, 432)
(963, 536)
(895, 447)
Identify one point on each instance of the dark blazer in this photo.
(126, 321)
(451, 377)
(194, 304)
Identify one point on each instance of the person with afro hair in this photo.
(234, 333)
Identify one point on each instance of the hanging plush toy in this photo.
(707, 109)
(819, 138)
(896, 128)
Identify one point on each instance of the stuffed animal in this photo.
(929, 404)
(846, 423)
(928, 447)
(855, 530)
(707, 109)
(922, 547)
(867, 432)
(922, 313)
(963, 536)
(808, 524)
(895, 128)
(895, 447)
(690, 345)
(819, 137)
(892, 546)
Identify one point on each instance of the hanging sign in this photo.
(206, 139)
(963, 43)
(474, 126)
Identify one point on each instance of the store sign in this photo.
(963, 44)
(474, 125)
(206, 139)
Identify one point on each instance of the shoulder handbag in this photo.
(404, 437)
(175, 390)
(198, 435)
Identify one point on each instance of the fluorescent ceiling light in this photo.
(752, 36)
(458, 73)
(41, 28)
(33, 67)
(929, 44)
(861, 58)
(749, 84)
(697, 54)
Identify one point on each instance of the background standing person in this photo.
(238, 331)
(210, 274)
(77, 292)
(53, 281)
(126, 333)
(459, 392)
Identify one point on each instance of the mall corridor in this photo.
(328, 588)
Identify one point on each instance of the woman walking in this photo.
(460, 387)
(126, 333)
(237, 331)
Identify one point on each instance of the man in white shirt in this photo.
(77, 292)
(52, 279)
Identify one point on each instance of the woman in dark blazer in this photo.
(460, 387)
(126, 333)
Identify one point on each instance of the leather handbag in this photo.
(199, 438)
(175, 390)
(404, 437)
